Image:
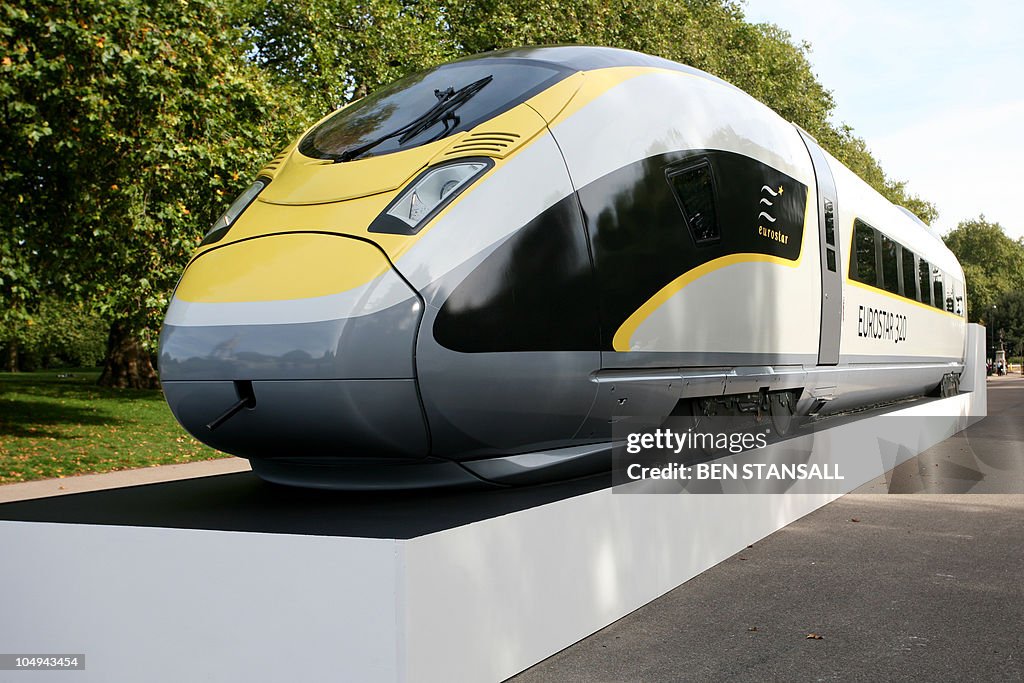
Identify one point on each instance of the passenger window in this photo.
(862, 266)
(890, 272)
(924, 280)
(909, 275)
(695, 191)
(938, 298)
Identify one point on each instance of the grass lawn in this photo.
(53, 426)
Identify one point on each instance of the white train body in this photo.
(627, 236)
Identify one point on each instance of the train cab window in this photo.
(909, 274)
(862, 264)
(938, 297)
(694, 188)
(890, 269)
(428, 106)
(924, 280)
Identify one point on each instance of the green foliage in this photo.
(127, 127)
(339, 50)
(993, 264)
(1006, 320)
(57, 334)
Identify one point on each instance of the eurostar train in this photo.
(475, 273)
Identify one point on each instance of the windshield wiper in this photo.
(448, 101)
(444, 110)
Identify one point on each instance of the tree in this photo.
(127, 127)
(57, 334)
(338, 50)
(993, 264)
(1006, 321)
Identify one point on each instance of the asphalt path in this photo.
(879, 585)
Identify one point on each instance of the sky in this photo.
(936, 89)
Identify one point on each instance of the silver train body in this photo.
(441, 285)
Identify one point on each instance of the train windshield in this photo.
(428, 106)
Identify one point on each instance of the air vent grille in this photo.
(272, 167)
(489, 143)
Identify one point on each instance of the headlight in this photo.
(434, 189)
(221, 226)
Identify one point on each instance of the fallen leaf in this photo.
(752, 628)
(814, 636)
(854, 519)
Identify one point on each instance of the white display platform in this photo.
(477, 602)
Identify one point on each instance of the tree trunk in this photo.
(11, 357)
(128, 365)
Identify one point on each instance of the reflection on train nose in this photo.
(326, 373)
(306, 419)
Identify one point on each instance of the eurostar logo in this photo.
(768, 198)
(768, 203)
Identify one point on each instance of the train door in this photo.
(831, 272)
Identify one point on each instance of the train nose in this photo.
(310, 336)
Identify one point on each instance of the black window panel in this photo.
(830, 224)
(830, 255)
(924, 280)
(533, 293)
(909, 274)
(890, 269)
(862, 266)
(938, 298)
(694, 188)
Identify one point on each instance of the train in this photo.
(475, 274)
